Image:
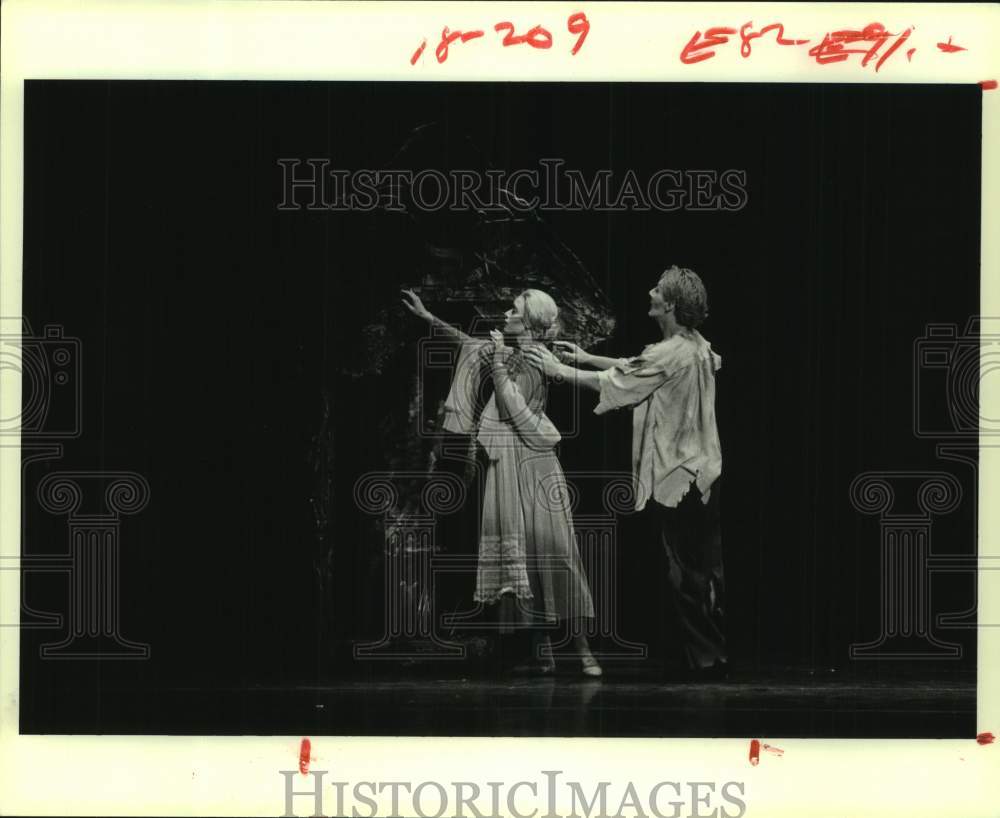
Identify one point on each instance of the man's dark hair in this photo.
(684, 289)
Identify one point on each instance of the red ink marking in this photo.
(775, 750)
(537, 37)
(909, 54)
(448, 37)
(418, 52)
(578, 24)
(949, 47)
(747, 35)
(304, 752)
(510, 39)
(754, 752)
(713, 37)
(892, 48)
(988, 85)
(833, 47)
(985, 738)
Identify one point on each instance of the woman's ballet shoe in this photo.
(590, 667)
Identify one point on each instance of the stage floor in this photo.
(563, 705)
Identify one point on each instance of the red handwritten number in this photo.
(537, 37)
(510, 39)
(418, 52)
(578, 24)
(747, 34)
(441, 52)
(448, 37)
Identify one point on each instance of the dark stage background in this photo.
(211, 325)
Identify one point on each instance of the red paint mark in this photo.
(510, 39)
(448, 37)
(578, 24)
(713, 37)
(988, 85)
(304, 753)
(418, 52)
(909, 54)
(949, 47)
(746, 35)
(834, 46)
(985, 738)
(537, 37)
(755, 752)
(775, 750)
(893, 47)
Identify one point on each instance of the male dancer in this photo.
(676, 456)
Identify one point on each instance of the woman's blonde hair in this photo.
(541, 315)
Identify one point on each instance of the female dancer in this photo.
(527, 550)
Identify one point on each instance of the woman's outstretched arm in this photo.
(413, 303)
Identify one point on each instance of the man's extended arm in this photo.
(591, 380)
(547, 362)
(620, 387)
(599, 362)
(571, 354)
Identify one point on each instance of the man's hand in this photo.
(497, 338)
(570, 353)
(538, 356)
(413, 303)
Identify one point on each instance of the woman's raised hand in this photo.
(497, 338)
(413, 303)
(570, 353)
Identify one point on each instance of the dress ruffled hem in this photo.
(492, 597)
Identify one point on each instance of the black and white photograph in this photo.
(504, 409)
(493, 409)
